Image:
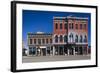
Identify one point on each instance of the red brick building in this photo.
(69, 37)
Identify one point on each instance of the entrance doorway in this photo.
(65, 50)
(43, 51)
(71, 51)
(80, 51)
(48, 51)
(61, 50)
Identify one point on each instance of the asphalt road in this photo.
(29, 59)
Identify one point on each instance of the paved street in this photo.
(29, 59)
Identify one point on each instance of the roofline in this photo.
(70, 17)
(29, 33)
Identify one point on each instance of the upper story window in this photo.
(81, 38)
(60, 25)
(39, 41)
(85, 38)
(76, 38)
(56, 39)
(81, 26)
(47, 41)
(65, 38)
(30, 41)
(43, 41)
(71, 25)
(65, 25)
(61, 38)
(76, 26)
(50, 40)
(56, 26)
(34, 41)
(84, 26)
(71, 37)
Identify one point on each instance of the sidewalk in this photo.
(28, 59)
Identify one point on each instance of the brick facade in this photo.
(69, 37)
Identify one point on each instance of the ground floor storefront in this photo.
(58, 50)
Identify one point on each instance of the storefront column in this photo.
(63, 50)
(87, 50)
(78, 50)
(28, 52)
(58, 50)
(40, 53)
(46, 51)
(36, 52)
(84, 53)
(73, 51)
(82, 50)
(53, 50)
(68, 52)
(50, 51)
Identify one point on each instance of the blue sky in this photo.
(34, 21)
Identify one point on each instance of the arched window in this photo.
(30, 41)
(76, 26)
(85, 38)
(65, 38)
(71, 37)
(76, 38)
(34, 41)
(39, 41)
(81, 38)
(61, 38)
(56, 26)
(60, 25)
(81, 26)
(65, 25)
(56, 39)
